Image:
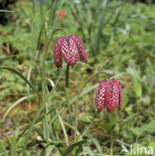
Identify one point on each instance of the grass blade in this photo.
(96, 143)
(83, 93)
(88, 151)
(22, 77)
(70, 148)
(9, 11)
(101, 24)
(15, 104)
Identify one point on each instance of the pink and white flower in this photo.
(71, 49)
(109, 95)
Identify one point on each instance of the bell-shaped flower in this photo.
(71, 49)
(109, 95)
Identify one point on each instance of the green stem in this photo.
(67, 86)
(76, 123)
(67, 77)
(45, 120)
(111, 145)
(67, 91)
(64, 130)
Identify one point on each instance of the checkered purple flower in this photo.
(71, 49)
(109, 95)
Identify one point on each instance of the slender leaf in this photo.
(22, 77)
(15, 104)
(95, 142)
(71, 147)
(9, 11)
(88, 150)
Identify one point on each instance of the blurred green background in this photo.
(119, 38)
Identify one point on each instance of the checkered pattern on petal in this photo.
(82, 53)
(57, 52)
(69, 51)
(100, 96)
(112, 96)
(120, 91)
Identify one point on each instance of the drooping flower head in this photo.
(109, 95)
(71, 49)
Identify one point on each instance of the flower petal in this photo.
(112, 96)
(100, 96)
(57, 52)
(120, 91)
(70, 51)
(82, 53)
